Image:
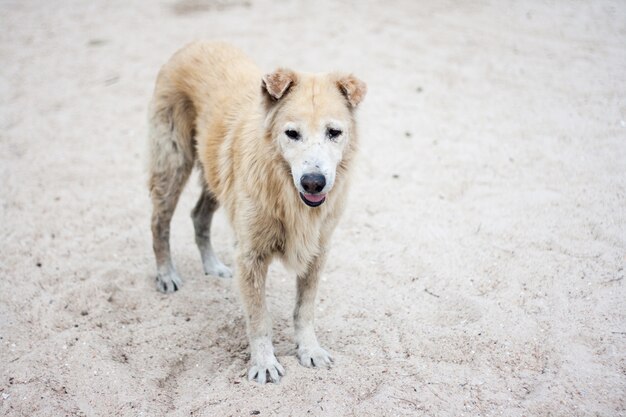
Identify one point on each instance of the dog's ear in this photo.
(352, 88)
(277, 83)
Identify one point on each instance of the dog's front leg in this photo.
(310, 353)
(251, 274)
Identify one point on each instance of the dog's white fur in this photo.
(213, 108)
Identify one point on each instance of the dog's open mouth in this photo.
(313, 200)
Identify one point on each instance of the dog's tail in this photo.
(171, 131)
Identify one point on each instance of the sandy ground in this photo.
(479, 270)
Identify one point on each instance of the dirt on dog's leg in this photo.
(251, 273)
(165, 191)
(202, 215)
(309, 353)
(171, 162)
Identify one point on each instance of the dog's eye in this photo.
(333, 133)
(292, 134)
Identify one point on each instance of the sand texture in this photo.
(478, 271)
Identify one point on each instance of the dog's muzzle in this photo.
(313, 184)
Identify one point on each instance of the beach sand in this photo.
(478, 270)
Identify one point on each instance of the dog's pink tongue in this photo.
(315, 198)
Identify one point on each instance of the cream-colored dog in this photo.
(275, 150)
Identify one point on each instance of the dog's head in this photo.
(311, 119)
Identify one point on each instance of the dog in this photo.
(276, 151)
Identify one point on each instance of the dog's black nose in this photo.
(313, 183)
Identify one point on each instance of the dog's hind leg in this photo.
(171, 162)
(202, 215)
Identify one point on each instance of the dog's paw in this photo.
(268, 370)
(168, 282)
(315, 357)
(215, 267)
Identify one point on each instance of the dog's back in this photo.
(209, 78)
